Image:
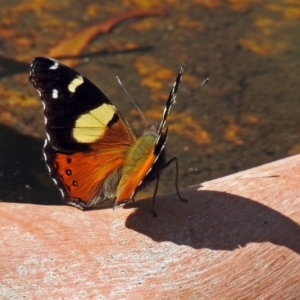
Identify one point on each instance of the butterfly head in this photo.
(153, 128)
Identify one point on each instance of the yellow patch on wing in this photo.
(75, 83)
(91, 126)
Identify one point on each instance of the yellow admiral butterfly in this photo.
(92, 153)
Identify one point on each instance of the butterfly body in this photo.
(92, 153)
(138, 164)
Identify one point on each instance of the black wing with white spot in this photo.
(66, 96)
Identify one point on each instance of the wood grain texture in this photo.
(238, 237)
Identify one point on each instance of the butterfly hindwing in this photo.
(85, 178)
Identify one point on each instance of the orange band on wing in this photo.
(130, 182)
(83, 174)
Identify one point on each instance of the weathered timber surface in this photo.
(238, 237)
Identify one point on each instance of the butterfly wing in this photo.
(87, 139)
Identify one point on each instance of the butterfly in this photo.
(92, 153)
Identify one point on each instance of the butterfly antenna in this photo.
(191, 94)
(134, 103)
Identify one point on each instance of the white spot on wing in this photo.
(49, 169)
(54, 66)
(47, 137)
(45, 158)
(75, 83)
(55, 94)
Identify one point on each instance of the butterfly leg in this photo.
(176, 184)
(115, 203)
(176, 177)
(154, 196)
